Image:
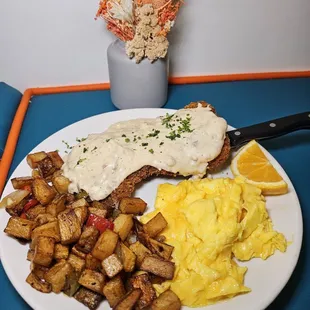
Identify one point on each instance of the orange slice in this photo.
(252, 164)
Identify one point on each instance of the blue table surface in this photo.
(241, 104)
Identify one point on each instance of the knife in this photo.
(268, 130)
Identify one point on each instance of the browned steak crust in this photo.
(127, 187)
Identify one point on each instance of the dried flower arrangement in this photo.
(142, 24)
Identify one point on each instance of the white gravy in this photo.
(183, 143)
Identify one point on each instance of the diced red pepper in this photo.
(23, 215)
(27, 188)
(31, 203)
(99, 222)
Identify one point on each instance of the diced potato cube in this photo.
(132, 205)
(128, 258)
(58, 274)
(44, 251)
(56, 159)
(80, 203)
(50, 229)
(92, 280)
(19, 183)
(19, 228)
(57, 205)
(42, 191)
(61, 183)
(33, 159)
(155, 225)
(129, 300)
(46, 167)
(45, 218)
(140, 251)
(123, 225)
(92, 263)
(78, 253)
(61, 251)
(98, 212)
(105, 245)
(15, 202)
(81, 213)
(114, 290)
(37, 284)
(39, 271)
(88, 239)
(112, 265)
(30, 254)
(69, 226)
(167, 301)
(76, 262)
(159, 267)
(33, 212)
(142, 282)
(89, 298)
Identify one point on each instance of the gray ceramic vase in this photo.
(143, 85)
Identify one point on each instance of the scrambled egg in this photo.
(209, 223)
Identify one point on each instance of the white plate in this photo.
(265, 278)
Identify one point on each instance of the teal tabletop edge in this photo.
(240, 103)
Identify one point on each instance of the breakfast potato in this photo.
(35, 158)
(123, 225)
(39, 271)
(88, 239)
(72, 284)
(57, 276)
(140, 251)
(61, 251)
(92, 280)
(80, 203)
(159, 267)
(159, 248)
(92, 263)
(44, 251)
(69, 226)
(77, 252)
(112, 265)
(132, 205)
(30, 254)
(129, 300)
(88, 298)
(142, 282)
(167, 301)
(20, 183)
(45, 218)
(50, 229)
(98, 212)
(105, 245)
(56, 159)
(19, 228)
(33, 212)
(61, 184)
(81, 213)
(155, 225)
(114, 290)
(76, 262)
(42, 191)
(46, 167)
(37, 284)
(128, 257)
(35, 173)
(57, 205)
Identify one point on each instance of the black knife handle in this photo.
(269, 130)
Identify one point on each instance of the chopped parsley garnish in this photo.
(173, 135)
(153, 134)
(139, 138)
(144, 144)
(151, 151)
(161, 143)
(127, 140)
(94, 149)
(80, 161)
(107, 140)
(67, 145)
(123, 135)
(85, 149)
(80, 140)
(166, 121)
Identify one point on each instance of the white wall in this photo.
(58, 42)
